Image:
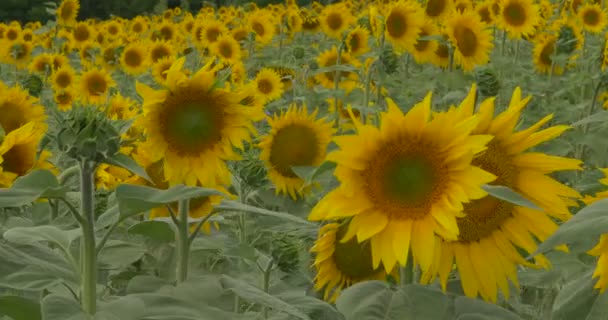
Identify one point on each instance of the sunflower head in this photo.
(592, 17)
(134, 58)
(518, 17)
(269, 85)
(402, 24)
(227, 49)
(95, 85)
(335, 19)
(357, 41)
(65, 98)
(347, 80)
(471, 39)
(18, 108)
(18, 151)
(67, 12)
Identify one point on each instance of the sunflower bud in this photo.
(487, 82)
(33, 84)
(566, 42)
(286, 252)
(88, 134)
(390, 60)
(299, 52)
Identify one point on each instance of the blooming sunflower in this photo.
(67, 12)
(357, 41)
(159, 50)
(42, 64)
(227, 49)
(441, 55)
(471, 39)
(404, 182)
(81, 33)
(63, 78)
(348, 80)
(269, 85)
(341, 264)
(592, 17)
(403, 22)
(121, 108)
(484, 10)
(493, 232)
(64, 98)
(193, 125)
(95, 85)
(544, 48)
(296, 138)
(19, 150)
(18, 108)
(134, 58)
(210, 31)
(423, 49)
(17, 53)
(518, 17)
(261, 23)
(335, 19)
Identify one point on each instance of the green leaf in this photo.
(108, 218)
(473, 309)
(582, 231)
(255, 295)
(508, 195)
(32, 235)
(309, 174)
(19, 308)
(126, 162)
(599, 116)
(134, 199)
(576, 298)
(31, 187)
(599, 309)
(119, 254)
(145, 283)
(237, 206)
(157, 230)
(56, 307)
(124, 308)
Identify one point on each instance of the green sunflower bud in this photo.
(252, 170)
(286, 252)
(390, 60)
(299, 52)
(33, 84)
(566, 42)
(88, 134)
(487, 82)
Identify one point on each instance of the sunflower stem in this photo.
(88, 260)
(451, 63)
(266, 284)
(504, 43)
(183, 243)
(580, 150)
(368, 89)
(337, 75)
(516, 55)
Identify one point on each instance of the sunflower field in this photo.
(352, 160)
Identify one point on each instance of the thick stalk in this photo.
(183, 242)
(88, 260)
(266, 284)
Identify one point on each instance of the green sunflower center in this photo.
(353, 259)
(408, 179)
(514, 14)
(293, 145)
(466, 40)
(396, 24)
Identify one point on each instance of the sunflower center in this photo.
(258, 28)
(192, 121)
(334, 21)
(166, 33)
(63, 98)
(12, 35)
(485, 215)
(293, 145)
(434, 8)
(20, 158)
(396, 24)
(485, 14)
(63, 80)
(133, 58)
(212, 34)
(545, 54)
(514, 14)
(12, 116)
(466, 40)
(353, 259)
(67, 10)
(138, 27)
(442, 51)
(421, 45)
(354, 42)
(225, 50)
(96, 84)
(591, 17)
(159, 52)
(81, 33)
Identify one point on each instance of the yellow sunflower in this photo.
(518, 17)
(249, 97)
(592, 17)
(262, 24)
(95, 85)
(441, 55)
(159, 50)
(340, 264)
(296, 138)
(403, 22)
(139, 25)
(484, 10)
(134, 58)
(42, 64)
(193, 126)
(210, 31)
(357, 41)
(335, 19)
(471, 38)
(348, 80)
(121, 108)
(166, 31)
(19, 150)
(269, 85)
(81, 33)
(544, 48)
(227, 49)
(108, 177)
(492, 231)
(404, 182)
(159, 70)
(18, 108)
(424, 49)
(63, 78)
(438, 9)
(17, 53)
(67, 12)
(64, 98)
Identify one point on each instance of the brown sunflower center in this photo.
(265, 86)
(293, 145)
(442, 51)
(63, 98)
(225, 50)
(591, 18)
(396, 24)
(334, 21)
(485, 215)
(82, 33)
(20, 158)
(258, 28)
(354, 42)
(211, 34)
(353, 259)
(133, 58)
(159, 52)
(466, 40)
(547, 52)
(96, 84)
(435, 8)
(12, 34)
(67, 10)
(484, 13)
(576, 4)
(63, 80)
(192, 120)
(166, 32)
(240, 34)
(138, 27)
(514, 14)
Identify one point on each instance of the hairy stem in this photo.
(183, 242)
(88, 259)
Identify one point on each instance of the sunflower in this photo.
(438, 9)
(166, 31)
(239, 33)
(262, 24)
(63, 78)
(18, 150)
(88, 53)
(227, 49)
(484, 10)
(335, 19)
(269, 85)
(139, 25)
(113, 29)
(471, 38)
(95, 85)
(341, 264)
(109, 57)
(193, 125)
(461, 6)
(441, 55)
(357, 41)
(67, 12)
(544, 48)
(403, 23)
(159, 50)
(348, 80)
(404, 182)
(310, 21)
(296, 138)
(601, 270)
(64, 98)
(518, 17)
(42, 64)
(424, 49)
(134, 58)
(249, 97)
(287, 76)
(81, 33)
(108, 177)
(17, 53)
(592, 17)
(121, 108)
(210, 31)
(493, 232)
(18, 108)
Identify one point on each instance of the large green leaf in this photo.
(19, 308)
(508, 195)
(124, 161)
(575, 299)
(473, 309)
(255, 295)
(599, 310)
(31, 187)
(123, 308)
(582, 231)
(157, 230)
(134, 199)
(56, 307)
(32, 235)
(237, 206)
(119, 254)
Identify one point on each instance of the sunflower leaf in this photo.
(237, 206)
(31, 187)
(124, 161)
(19, 308)
(507, 194)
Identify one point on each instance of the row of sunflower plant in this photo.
(398, 159)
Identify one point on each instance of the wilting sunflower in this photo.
(18, 108)
(296, 138)
(493, 232)
(403, 22)
(357, 41)
(471, 38)
(348, 80)
(19, 149)
(424, 49)
(592, 17)
(227, 49)
(67, 12)
(95, 85)
(63, 78)
(193, 125)
(64, 98)
(404, 182)
(335, 19)
(159, 50)
(340, 264)
(262, 24)
(134, 58)
(438, 9)
(518, 17)
(268, 84)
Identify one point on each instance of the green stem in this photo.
(580, 151)
(504, 43)
(406, 273)
(67, 173)
(183, 243)
(266, 284)
(337, 75)
(88, 259)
